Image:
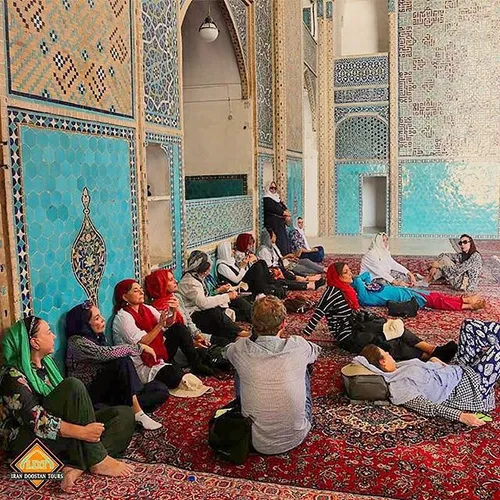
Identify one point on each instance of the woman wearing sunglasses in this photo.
(461, 270)
(275, 212)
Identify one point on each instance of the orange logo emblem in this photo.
(36, 464)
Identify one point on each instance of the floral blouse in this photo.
(20, 406)
(296, 240)
(470, 269)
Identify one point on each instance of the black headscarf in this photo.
(77, 323)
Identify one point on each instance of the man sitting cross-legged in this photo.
(433, 389)
(272, 379)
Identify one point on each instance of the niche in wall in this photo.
(374, 211)
(159, 205)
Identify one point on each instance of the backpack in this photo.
(230, 434)
(406, 309)
(298, 305)
(362, 384)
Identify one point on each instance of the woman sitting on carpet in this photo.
(354, 329)
(250, 270)
(38, 403)
(300, 245)
(211, 314)
(378, 295)
(108, 372)
(136, 322)
(379, 263)
(461, 270)
(245, 247)
(282, 269)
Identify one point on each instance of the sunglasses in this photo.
(273, 188)
(463, 242)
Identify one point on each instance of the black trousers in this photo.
(242, 308)
(216, 322)
(258, 278)
(170, 375)
(179, 337)
(117, 382)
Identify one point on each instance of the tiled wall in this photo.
(208, 221)
(449, 117)
(349, 201)
(361, 134)
(295, 183)
(72, 182)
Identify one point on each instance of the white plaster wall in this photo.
(364, 27)
(374, 201)
(310, 158)
(217, 132)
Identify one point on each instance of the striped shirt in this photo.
(334, 307)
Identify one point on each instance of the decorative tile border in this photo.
(373, 94)
(382, 110)
(216, 219)
(19, 117)
(239, 11)
(359, 71)
(172, 146)
(263, 158)
(161, 62)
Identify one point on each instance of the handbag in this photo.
(406, 309)
(230, 434)
(298, 305)
(362, 384)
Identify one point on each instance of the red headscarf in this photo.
(242, 242)
(144, 319)
(156, 288)
(333, 279)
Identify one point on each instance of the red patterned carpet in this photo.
(363, 450)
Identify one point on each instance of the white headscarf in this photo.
(267, 193)
(225, 254)
(377, 248)
(302, 233)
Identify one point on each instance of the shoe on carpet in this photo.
(445, 352)
(201, 369)
(147, 422)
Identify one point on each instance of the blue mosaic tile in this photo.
(262, 159)
(161, 62)
(295, 187)
(358, 71)
(349, 200)
(373, 94)
(382, 110)
(48, 211)
(448, 198)
(233, 214)
(172, 147)
(364, 137)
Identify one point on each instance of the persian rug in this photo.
(155, 482)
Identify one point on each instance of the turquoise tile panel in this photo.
(348, 207)
(295, 187)
(57, 166)
(440, 198)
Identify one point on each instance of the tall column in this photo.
(326, 132)
(280, 167)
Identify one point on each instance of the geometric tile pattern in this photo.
(372, 94)
(349, 200)
(295, 187)
(264, 158)
(361, 137)
(449, 103)
(239, 12)
(161, 62)
(88, 253)
(72, 52)
(354, 72)
(52, 160)
(391, 7)
(171, 145)
(448, 198)
(215, 219)
(382, 110)
(264, 63)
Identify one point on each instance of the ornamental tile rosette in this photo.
(88, 253)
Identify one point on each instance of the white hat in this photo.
(190, 387)
(393, 328)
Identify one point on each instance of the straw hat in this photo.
(190, 387)
(393, 328)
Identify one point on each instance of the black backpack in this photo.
(406, 309)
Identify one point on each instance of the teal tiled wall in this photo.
(439, 198)
(56, 166)
(295, 201)
(348, 209)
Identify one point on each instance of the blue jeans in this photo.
(316, 256)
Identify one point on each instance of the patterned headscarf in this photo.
(77, 323)
(197, 262)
